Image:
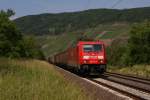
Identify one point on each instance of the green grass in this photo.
(137, 70)
(34, 80)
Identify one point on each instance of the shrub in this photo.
(115, 53)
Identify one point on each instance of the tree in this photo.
(139, 44)
(9, 35)
(12, 42)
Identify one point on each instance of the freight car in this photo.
(86, 57)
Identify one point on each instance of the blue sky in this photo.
(29, 7)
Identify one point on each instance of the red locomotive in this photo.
(86, 57)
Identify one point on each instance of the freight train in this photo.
(86, 57)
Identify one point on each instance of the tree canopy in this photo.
(12, 42)
(139, 43)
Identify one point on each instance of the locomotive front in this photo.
(92, 57)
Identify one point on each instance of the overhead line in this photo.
(118, 2)
(87, 5)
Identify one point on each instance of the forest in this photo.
(53, 24)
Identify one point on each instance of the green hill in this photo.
(52, 24)
(104, 24)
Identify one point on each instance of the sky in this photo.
(30, 7)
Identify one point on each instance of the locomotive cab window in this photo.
(92, 47)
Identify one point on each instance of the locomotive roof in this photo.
(90, 42)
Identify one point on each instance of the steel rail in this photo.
(136, 97)
(128, 81)
(131, 76)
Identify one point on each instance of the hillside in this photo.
(52, 24)
(52, 44)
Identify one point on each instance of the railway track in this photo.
(131, 81)
(134, 87)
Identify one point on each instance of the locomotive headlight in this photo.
(86, 57)
(100, 57)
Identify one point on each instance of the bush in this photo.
(30, 49)
(115, 53)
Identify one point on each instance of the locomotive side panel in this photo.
(73, 57)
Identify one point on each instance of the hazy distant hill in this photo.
(64, 22)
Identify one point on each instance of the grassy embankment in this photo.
(136, 70)
(34, 80)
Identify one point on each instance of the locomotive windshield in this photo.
(92, 47)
